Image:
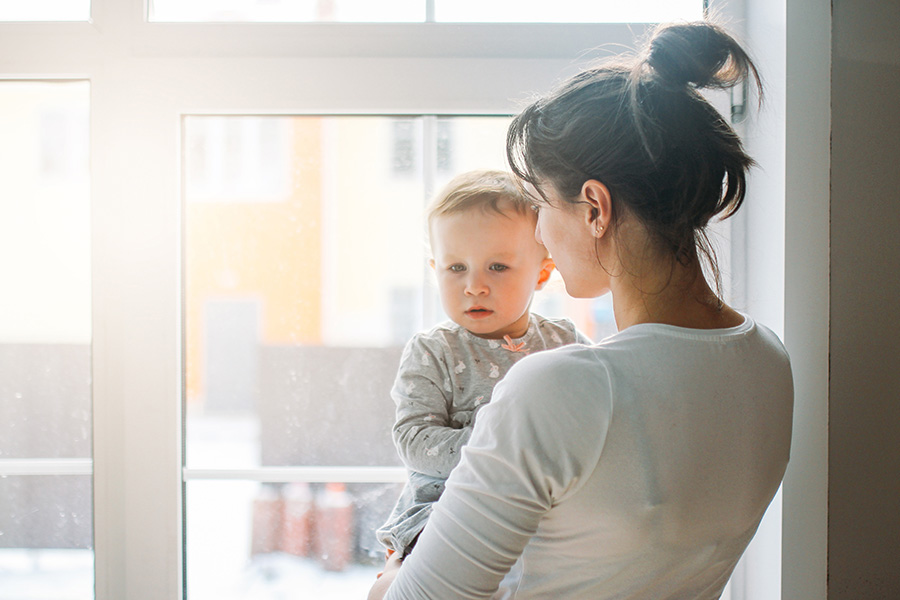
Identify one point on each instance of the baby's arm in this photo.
(426, 439)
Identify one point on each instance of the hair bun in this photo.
(699, 54)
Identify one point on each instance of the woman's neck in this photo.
(682, 298)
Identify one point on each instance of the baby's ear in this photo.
(547, 266)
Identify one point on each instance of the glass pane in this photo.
(287, 11)
(45, 10)
(45, 335)
(568, 11)
(45, 546)
(283, 540)
(497, 11)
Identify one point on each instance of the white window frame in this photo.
(144, 76)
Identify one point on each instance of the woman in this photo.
(639, 467)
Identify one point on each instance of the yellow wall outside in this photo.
(265, 251)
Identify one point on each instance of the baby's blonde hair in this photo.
(487, 190)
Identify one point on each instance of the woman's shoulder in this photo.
(562, 402)
(564, 371)
(638, 348)
(770, 340)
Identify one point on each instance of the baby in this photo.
(488, 266)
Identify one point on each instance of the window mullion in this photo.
(134, 131)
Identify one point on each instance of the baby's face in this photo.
(488, 266)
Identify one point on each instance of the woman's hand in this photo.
(391, 568)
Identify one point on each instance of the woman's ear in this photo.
(596, 196)
(547, 266)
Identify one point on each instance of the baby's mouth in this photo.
(479, 311)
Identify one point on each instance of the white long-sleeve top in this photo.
(636, 468)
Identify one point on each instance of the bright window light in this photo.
(46, 523)
(45, 10)
(567, 11)
(287, 11)
(399, 11)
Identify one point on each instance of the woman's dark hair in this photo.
(641, 127)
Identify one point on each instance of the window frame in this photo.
(162, 71)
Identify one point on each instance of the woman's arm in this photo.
(531, 448)
(473, 537)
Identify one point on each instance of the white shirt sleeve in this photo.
(532, 447)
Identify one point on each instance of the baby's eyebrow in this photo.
(507, 257)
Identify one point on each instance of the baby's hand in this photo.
(391, 568)
(387, 558)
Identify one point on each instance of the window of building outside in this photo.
(46, 521)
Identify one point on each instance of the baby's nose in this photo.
(476, 286)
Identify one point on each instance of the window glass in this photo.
(242, 159)
(296, 313)
(496, 11)
(45, 334)
(45, 10)
(266, 541)
(284, 11)
(567, 11)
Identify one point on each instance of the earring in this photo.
(598, 229)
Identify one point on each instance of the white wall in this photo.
(842, 138)
(864, 387)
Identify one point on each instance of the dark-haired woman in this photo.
(640, 467)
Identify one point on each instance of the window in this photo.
(447, 11)
(288, 10)
(46, 523)
(45, 10)
(238, 159)
(567, 11)
(220, 163)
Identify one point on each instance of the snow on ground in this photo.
(68, 575)
(46, 574)
(218, 540)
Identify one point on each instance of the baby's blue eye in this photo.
(456, 268)
(498, 267)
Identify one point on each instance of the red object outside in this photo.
(334, 527)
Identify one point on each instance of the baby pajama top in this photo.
(634, 469)
(445, 375)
